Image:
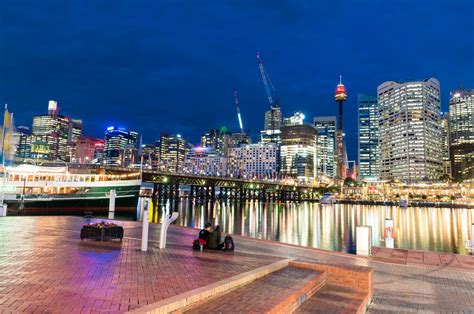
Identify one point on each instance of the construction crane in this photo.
(267, 83)
(237, 104)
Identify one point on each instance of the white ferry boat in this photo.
(39, 189)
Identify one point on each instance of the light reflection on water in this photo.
(333, 227)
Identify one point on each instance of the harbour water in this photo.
(332, 227)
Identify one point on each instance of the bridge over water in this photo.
(166, 186)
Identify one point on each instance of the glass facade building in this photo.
(172, 152)
(272, 126)
(54, 135)
(410, 132)
(368, 137)
(325, 146)
(461, 120)
(116, 141)
(298, 151)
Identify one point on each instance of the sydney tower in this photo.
(340, 96)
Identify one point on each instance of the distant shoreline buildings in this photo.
(402, 135)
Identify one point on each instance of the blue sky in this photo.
(172, 66)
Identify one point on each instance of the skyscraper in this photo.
(325, 146)
(272, 127)
(297, 150)
(22, 137)
(172, 152)
(51, 134)
(410, 132)
(116, 141)
(217, 139)
(368, 129)
(461, 117)
(444, 124)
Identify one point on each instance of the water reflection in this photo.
(332, 227)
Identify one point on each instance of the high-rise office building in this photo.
(325, 146)
(51, 134)
(253, 160)
(172, 152)
(368, 135)
(116, 141)
(217, 139)
(22, 138)
(272, 127)
(461, 118)
(298, 150)
(410, 132)
(444, 124)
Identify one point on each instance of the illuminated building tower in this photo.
(340, 96)
(368, 127)
(325, 146)
(273, 123)
(118, 143)
(444, 123)
(298, 147)
(410, 131)
(22, 137)
(52, 134)
(217, 139)
(172, 152)
(461, 122)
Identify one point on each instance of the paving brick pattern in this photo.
(43, 268)
(421, 258)
(260, 296)
(333, 299)
(93, 275)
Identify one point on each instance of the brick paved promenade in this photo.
(45, 267)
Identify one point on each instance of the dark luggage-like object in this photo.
(228, 243)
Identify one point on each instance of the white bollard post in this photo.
(167, 220)
(389, 233)
(112, 195)
(140, 209)
(145, 225)
(3, 210)
(364, 240)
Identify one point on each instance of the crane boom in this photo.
(237, 104)
(266, 80)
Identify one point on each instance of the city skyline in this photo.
(138, 76)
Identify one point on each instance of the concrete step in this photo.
(334, 298)
(282, 291)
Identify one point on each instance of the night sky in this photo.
(172, 66)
